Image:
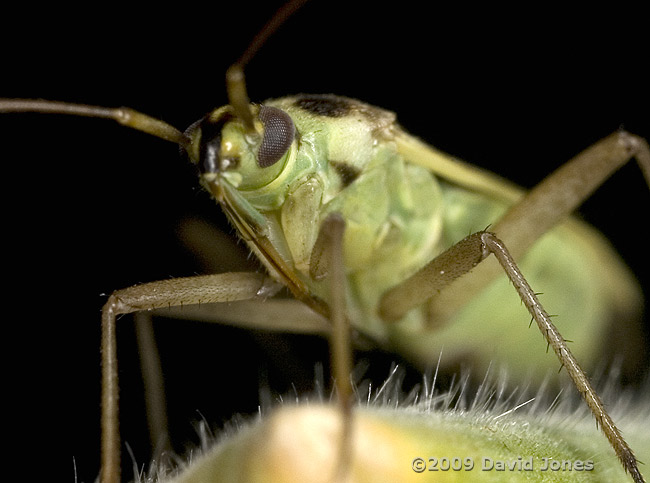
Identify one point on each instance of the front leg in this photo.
(326, 262)
(225, 287)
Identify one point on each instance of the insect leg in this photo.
(491, 244)
(548, 203)
(277, 315)
(565, 189)
(174, 292)
(330, 237)
(460, 259)
(154, 386)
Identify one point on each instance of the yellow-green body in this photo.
(401, 210)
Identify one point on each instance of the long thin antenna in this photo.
(123, 115)
(278, 19)
(235, 80)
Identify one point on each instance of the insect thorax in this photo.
(344, 159)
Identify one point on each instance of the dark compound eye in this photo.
(279, 132)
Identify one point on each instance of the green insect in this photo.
(345, 185)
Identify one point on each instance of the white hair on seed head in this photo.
(511, 414)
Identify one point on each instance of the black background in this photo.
(90, 207)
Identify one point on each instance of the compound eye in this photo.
(279, 132)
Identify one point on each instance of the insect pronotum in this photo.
(504, 140)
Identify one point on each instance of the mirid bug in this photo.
(105, 211)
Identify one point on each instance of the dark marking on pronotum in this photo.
(327, 105)
(346, 172)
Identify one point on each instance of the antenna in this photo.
(235, 80)
(123, 115)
